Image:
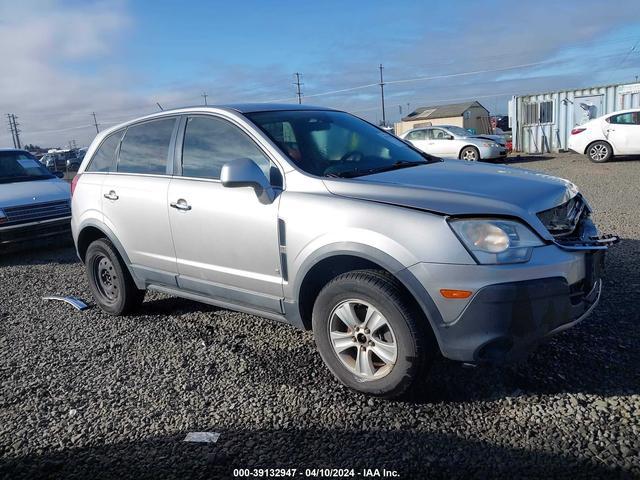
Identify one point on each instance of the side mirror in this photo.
(246, 173)
(59, 174)
(449, 137)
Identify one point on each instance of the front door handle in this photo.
(111, 195)
(181, 204)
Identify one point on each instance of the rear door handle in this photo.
(111, 195)
(181, 204)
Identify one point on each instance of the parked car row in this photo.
(63, 159)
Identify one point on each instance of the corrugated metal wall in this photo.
(569, 110)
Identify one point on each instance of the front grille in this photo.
(36, 212)
(562, 220)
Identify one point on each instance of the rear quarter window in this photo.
(104, 160)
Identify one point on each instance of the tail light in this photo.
(575, 131)
(74, 182)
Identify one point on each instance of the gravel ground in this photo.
(85, 395)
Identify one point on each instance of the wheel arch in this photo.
(586, 149)
(467, 146)
(333, 261)
(91, 231)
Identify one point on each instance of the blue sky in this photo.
(66, 59)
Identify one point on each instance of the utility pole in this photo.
(204, 95)
(13, 135)
(384, 118)
(298, 84)
(16, 131)
(95, 122)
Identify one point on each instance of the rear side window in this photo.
(417, 135)
(630, 118)
(211, 142)
(104, 160)
(145, 148)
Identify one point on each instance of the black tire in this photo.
(110, 282)
(599, 152)
(416, 346)
(471, 154)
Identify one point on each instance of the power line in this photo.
(384, 118)
(95, 122)
(298, 84)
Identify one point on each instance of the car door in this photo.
(444, 143)
(134, 199)
(226, 240)
(623, 132)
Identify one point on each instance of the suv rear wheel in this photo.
(111, 285)
(372, 338)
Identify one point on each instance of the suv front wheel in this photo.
(111, 285)
(372, 338)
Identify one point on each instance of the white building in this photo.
(543, 122)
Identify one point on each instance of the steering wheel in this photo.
(352, 156)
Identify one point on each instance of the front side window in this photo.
(630, 118)
(104, 160)
(211, 142)
(337, 144)
(439, 134)
(145, 147)
(17, 166)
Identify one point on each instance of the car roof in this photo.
(627, 110)
(241, 108)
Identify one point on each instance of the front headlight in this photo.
(490, 145)
(495, 241)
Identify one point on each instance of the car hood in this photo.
(37, 191)
(455, 187)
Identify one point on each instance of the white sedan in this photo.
(454, 142)
(616, 133)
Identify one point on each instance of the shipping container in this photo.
(543, 122)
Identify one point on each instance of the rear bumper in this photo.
(35, 230)
(505, 322)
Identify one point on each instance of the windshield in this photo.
(460, 132)
(336, 144)
(21, 167)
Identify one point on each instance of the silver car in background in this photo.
(449, 141)
(34, 203)
(317, 218)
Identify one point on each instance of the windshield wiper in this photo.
(386, 168)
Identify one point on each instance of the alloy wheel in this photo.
(469, 155)
(598, 152)
(363, 340)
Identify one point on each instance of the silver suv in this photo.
(317, 218)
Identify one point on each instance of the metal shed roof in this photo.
(441, 111)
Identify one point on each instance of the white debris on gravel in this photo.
(202, 437)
